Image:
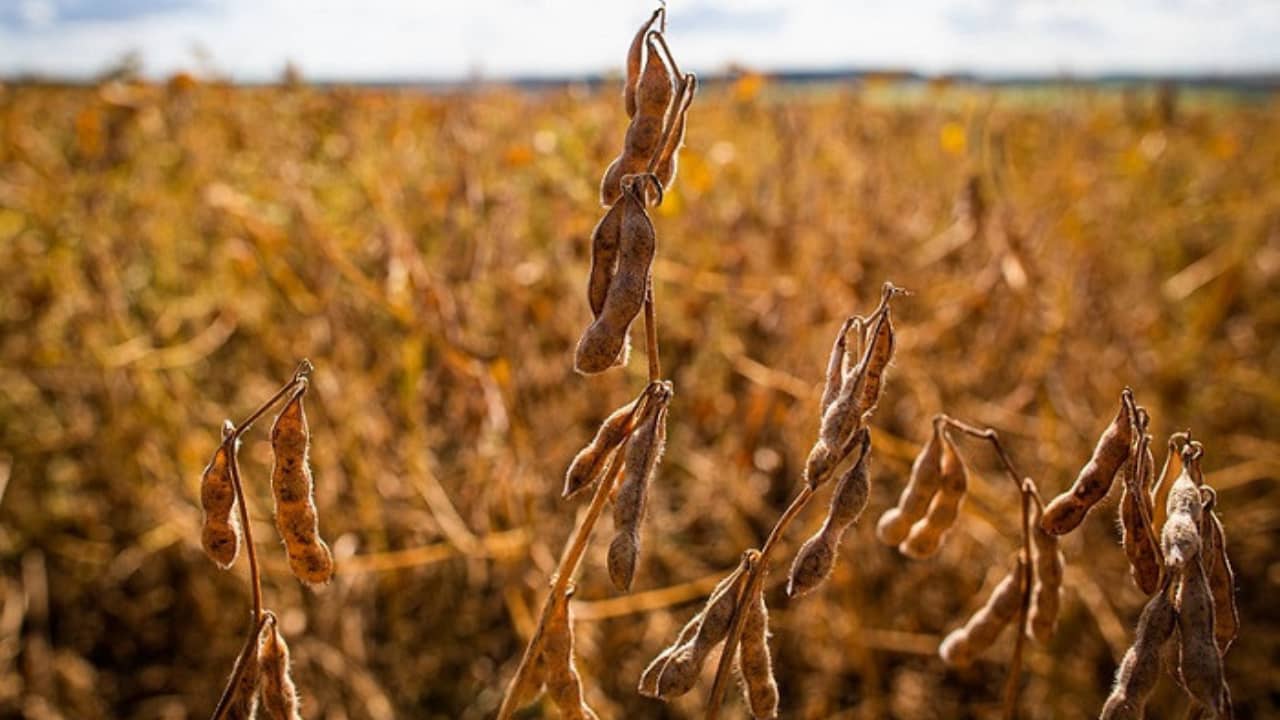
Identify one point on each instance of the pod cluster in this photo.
(1191, 618)
(624, 242)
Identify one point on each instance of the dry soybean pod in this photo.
(816, 557)
(644, 136)
(967, 642)
(1222, 580)
(247, 676)
(681, 669)
(1168, 473)
(590, 460)
(279, 694)
(1138, 539)
(602, 345)
(1180, 537)
(927, 533)
(563, 683)
(293, 488)
(878, 356)
(220, 534)
(1046, 589)
(1140, 669)
(822, 459)
(649, 678)
(605, 239)
(1199, 660)
(635, 60)
(668, 158)
(759, 686)
(926, 476)
(1068, 510)
(643, 453)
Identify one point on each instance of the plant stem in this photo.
(231, 440)
(242, 662)
(651, 335)
(569, 562)
(750, 587)
(1024, 609)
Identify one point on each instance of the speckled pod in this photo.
(220, 532)
(293, 488)
(1068, 510)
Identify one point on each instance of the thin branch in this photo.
(571, 559)
(993, 437)
(750, 587)
(1012, 681)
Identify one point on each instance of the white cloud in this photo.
(373, 39)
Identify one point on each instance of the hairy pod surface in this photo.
(1068, 510)
(590, 462)
(1222, 584)
(759, 686)
(816, 558)
(967, 642)
(1199, 661)
(669, 159)
(927, 533)
(1138, 541)
(680, 672)
(564, 686)
(243, 704)
(644, 135)
(220, 532)
(601, 346)
(1046, 588)
(1140, 669)
(605, 240)
(1180, 537)
(635, 61)
(875, 363)
(279, 694)
(1160, 492)
(835, 367)
(922, 485)
(293, 488)
(643, 454)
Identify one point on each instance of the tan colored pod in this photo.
(604, 340)
(644, 136)
(875, 363)
(279, 694)
(1180, 537)
(243, 703)
(564, 686)
(1168, 473)
(1140, 669)
(293, 488)
(1199, 660)
(643, 453)
(966, 643)
(592, 459)
(835, 365)
(220, 532)
(680, 672)
(648, 686)
(605, 240)
(860, 386)
(1222, 584)
(1138, 540)
(669, 158)
(635, 61)
(927, 533)
(923, 483)
(755, 665)
(816, 558)
(1046, 588)
(1068, 510)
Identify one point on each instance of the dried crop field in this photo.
(171, 252)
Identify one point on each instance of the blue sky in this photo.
(378, 39)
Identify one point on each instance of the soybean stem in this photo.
(569, 563)
(651, 334)
(752, 586)
(231, 441)
(1024, 609)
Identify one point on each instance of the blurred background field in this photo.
(170, 251)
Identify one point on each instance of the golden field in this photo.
(170, 252)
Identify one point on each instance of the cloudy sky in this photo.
(423, 39)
